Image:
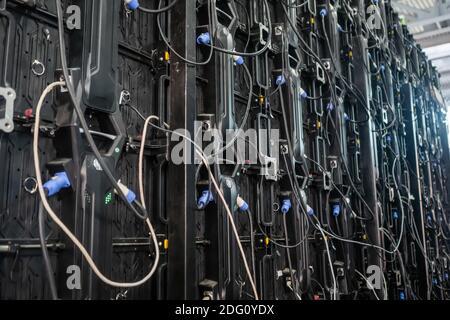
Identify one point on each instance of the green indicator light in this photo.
(108, 198)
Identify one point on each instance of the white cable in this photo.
(386, 294)
(63, 227)
(82, 248)
(233, 225)
(200, 153)
(401, 207)
(141, 159)
(296, 294)
(329, 260)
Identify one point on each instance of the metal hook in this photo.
(125, 97)
(34, 67)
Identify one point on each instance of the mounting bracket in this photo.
(7, 97)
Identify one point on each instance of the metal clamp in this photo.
(38, 68)
(7, 111)
(269, 168)
(262, 31)
(125, 97)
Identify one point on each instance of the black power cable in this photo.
(82, 118)
(288, 253)
(184, 59)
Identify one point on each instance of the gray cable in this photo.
(45, 255)
(252, 243)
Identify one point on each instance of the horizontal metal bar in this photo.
(424, 22)
(8, 248)
(433, 33)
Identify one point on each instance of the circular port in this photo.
(30, 185)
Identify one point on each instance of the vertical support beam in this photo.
(416, 190)
(368, 163)
(445, 159)
(181, 207)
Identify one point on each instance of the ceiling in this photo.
(429, 22)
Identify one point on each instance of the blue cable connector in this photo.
(303, 93)
(346, 117)
(395, 214)
(323, 12)
(280, 80)
(336, 210)
(132, 4)
(388, 138)
(205, 199)
(242, 205)
(58, 182)
(309, 211)
(238, 60)
(330, 107)
(130, 195)
(402, 295)
(286, 206)
(204, 38)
